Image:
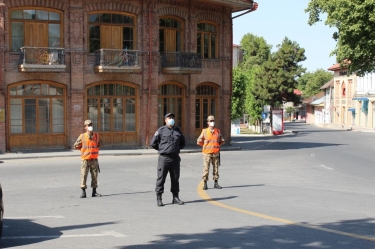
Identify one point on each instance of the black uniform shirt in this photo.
(168, 141)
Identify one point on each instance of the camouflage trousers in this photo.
(91, 165)
(207, 159)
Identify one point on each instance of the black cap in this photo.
(168, 115)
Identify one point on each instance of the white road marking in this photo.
(35, 217)
(312, 155)
(104, 234)
(323, 166)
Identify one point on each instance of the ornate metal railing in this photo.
(181, 60)
(116, 58)
(42, 56)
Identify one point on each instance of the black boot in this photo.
(177, 200)
(205, 185)
(94, 193)
(83, 195)
(217, 185)
(159, 200)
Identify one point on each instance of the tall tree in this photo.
(315, 81)
(277, 77)
(355, 36)
(252, 107)
(238, 93)
(256, 51)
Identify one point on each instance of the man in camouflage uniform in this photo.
(211, 139)
(89, 143)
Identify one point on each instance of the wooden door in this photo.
(170, 40)
(111, 37)
(36, 34)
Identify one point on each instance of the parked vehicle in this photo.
(1, 210)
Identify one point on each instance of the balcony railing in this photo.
(117, 61)
(181, 62)
(40, 59)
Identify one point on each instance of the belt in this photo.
(91, 159)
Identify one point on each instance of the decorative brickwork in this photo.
(80, 64)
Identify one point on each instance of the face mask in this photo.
(90, 128)
(212, 124)
(171, 122)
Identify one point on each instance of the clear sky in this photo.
(274, 20)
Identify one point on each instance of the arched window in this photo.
(170, 101)
(205, 105)
(207, 40)
(37, 108)
(37, 115)
(35, 28)
(112, 107)
(170, 35)
(110, 30)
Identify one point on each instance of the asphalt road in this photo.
(311, 189)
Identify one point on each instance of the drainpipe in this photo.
(149, 74)
(255, 7)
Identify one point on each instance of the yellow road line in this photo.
(203, 194)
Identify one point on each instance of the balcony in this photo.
(117, 61)
(181, 62)
(39, 59)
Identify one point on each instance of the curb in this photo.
(103, 153)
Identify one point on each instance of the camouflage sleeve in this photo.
(100, 143)
(78, 143)
(200, 139)
(222, 140)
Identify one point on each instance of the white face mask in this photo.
(212, 124)
(90, 128)
(171, 122)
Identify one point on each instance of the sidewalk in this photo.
(346, 127)
(103, 152)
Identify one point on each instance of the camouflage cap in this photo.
(87, 122)
(209, 118)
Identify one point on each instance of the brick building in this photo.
(121, 63)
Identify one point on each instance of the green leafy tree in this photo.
(316, 81)
(276, 80)
(355, 36)
(252, 107)
(238, 93)
(256, 51)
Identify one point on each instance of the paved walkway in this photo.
(346, 127)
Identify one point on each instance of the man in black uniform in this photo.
(168, 140)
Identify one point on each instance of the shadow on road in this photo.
(143, 192)
(212, 199)
(245, 186)
(23, 232)
(247, 144)
(277, 236)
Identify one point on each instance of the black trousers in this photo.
(167, 164)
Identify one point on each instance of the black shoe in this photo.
(217, 185)
(177, 200)
(83, 195)
(94, 193)
(159, 201)
(205, 185)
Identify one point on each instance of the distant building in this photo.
(314, 109)
(344, 90)
(237, 55)
(328, 89)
